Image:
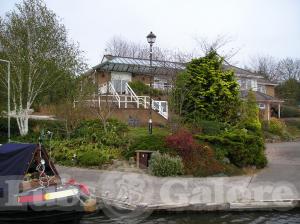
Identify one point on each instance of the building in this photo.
(264, 91)
(114, 73)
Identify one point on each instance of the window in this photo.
(262, 106)
(247, 84)
(261, 88)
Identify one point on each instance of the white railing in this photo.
(108, 90)
(133, 96)
(161, 107)
(115, 94)
(161, 86)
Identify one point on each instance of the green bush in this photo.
(92, 158)
(93, 131)
(242, 147)
(276, 126)
(154, 142)
(164, 165)
(141, 88)
(276, 129)
(208, 127)
(289, 111)
(88, 154)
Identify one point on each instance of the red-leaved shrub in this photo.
(198, 160)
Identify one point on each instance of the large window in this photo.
(261, 88)
(247, 84)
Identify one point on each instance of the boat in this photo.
(30, 186)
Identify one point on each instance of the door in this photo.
(119, 80)
(143, 158)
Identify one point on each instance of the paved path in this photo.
(283, 167)
(279, 181)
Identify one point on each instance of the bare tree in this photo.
(267, 66)
(119, 46)
(103, 104)
(289, 68)
(219, 44)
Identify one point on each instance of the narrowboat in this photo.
(31, 188)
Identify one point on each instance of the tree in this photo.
(40, 53)
(102, 105)
(288, 69)
(249, 115)
(119, 46)
(289, 90)
(218, 44)
(265, 66)
(213, 92)
(180, 92)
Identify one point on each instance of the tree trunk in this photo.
(22, 117)
(22, 121)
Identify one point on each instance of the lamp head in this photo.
(151, 38)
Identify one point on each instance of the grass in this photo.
(142, 131)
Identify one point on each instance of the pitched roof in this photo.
(260, 97)
(244, 73)
(137, 65)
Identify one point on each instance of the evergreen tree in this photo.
(213, 92)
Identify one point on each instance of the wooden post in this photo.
(125, 101)
(279, 112)
(268, 111)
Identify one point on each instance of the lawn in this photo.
(135, 132)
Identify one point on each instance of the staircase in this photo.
(129, 99)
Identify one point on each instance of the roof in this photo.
(240, 72)
(140, 65)
(261, 97)
(137, 65)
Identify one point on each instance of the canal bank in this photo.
(276, 187)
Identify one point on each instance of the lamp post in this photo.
(151, 40)
(8, 97)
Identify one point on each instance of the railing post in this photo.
(125, 101)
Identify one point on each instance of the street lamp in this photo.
(151, 40)
(8, 97)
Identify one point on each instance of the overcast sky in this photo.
(257, 27)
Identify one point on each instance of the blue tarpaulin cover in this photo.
(14, 162)
(15, 158)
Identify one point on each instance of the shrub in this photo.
(141, 88)
(93, 158)
(198, 160)
(207, 127)
(249, 118)
(289, 111)
(276, 129)
(88, 154)
(243, 147)
(164, 165)
(182, 141)
(93, 131)
(154, 142)
(276, 126)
